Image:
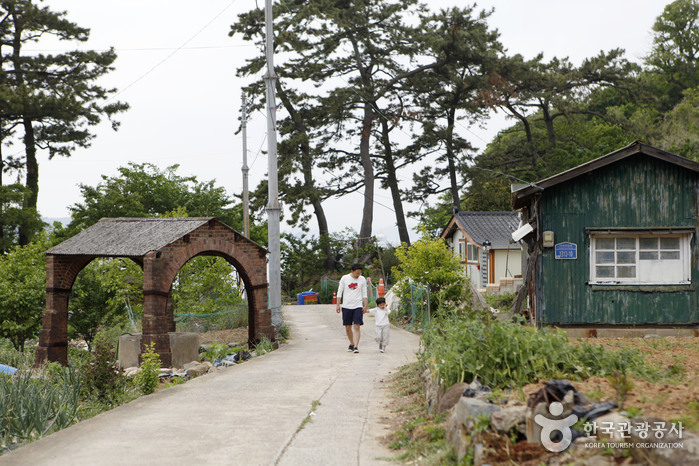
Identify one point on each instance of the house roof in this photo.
(495, 227)
(521, 196)
(129, 237)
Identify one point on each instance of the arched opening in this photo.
(161, 247)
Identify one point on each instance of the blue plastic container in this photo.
(301, 297)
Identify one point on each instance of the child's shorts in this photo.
(381, 334)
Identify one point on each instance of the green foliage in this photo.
(147, 379)
(12, 357)
(508, 354)
(33, 407)
(264, 346)
(622, 384)
(102, 380)
(430, 262)
(99, 294)
(690, 420)
(206, 285)
(500, 301)
(22, 292)
(218, 351)
(144, 190)
(14, 216)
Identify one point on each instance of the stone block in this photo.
(184, 347)
(129, 349)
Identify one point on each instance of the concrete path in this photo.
(252, 413)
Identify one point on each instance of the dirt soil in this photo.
(666, 401)
(236, 335)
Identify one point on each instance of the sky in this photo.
(177, 65)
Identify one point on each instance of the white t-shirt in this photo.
(381, 315)
(352, 291)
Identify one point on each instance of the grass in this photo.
(309, 417)
(419, 435)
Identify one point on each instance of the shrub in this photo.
(102, 380)
(147, 379)
(505, 354)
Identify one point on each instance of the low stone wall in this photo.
(184, 347)
(468, 416)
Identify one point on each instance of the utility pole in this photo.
(245, 169)
(273, 207)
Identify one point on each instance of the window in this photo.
(639, 259)
(461, 250)
(472, 253)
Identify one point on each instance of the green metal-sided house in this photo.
(614, 242)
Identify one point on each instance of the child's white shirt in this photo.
(381, 315)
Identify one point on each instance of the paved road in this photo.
(251, 414)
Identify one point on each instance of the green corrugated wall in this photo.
(638, 191)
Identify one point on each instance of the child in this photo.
(382, 325)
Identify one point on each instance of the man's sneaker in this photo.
(351, 348)
(356, 349)
(383, 350)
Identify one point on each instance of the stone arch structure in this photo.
(161, 246)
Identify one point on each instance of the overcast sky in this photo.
(176, 68)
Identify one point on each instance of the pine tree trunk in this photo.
(392, 182)
(31, 195)
(365, 157)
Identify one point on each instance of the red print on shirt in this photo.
(352, 286)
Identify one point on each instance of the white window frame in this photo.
(472, 255)
(634, 260)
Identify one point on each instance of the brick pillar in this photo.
(170, 313)
(262, 315)
(53, 336)
(156, 323)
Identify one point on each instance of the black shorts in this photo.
(352, 316)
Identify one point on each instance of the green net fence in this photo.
(235, 317)
(417, 306)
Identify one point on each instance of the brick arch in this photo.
(162, 267)
(160, 260)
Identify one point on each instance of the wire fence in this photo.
(225, 320)
(416, 306)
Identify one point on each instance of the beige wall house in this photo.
(482, 241)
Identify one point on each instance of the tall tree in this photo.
(675, 51)
(52, 99)
(143, 190)
(356, 54)
(450, 93)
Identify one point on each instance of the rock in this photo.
(451, 397)
(131, 371)
(208, 364)
(165, 371)
(673, 454)
(433, 391)
(189, 365)
(651, 335)
(533, 431)
(469, 409)
(610, 426)
(197, 370)
(509, 418)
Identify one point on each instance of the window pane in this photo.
(626, 257)
(669, 243)
(605, 272)
(605, 243)
(626, 243)
(626, 272)
(649, 243)
(604, 257)
(669, 255)
(648, 255)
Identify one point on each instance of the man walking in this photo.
(352, 293)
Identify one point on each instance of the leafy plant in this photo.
(102, 379)
(147, 379)
(508, 354)
(622, 384)
(218, 351)
(264, 346)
